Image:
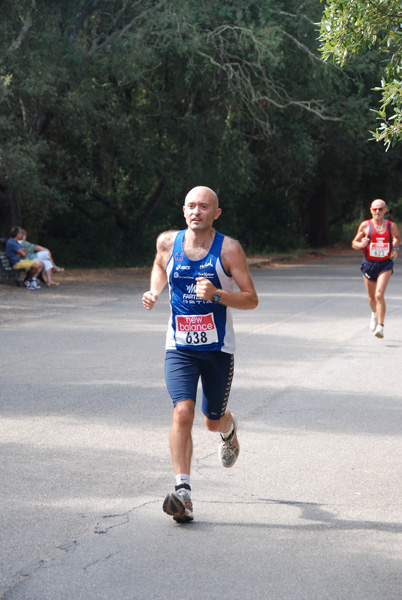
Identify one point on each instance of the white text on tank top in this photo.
(378, 247)
(195, 323)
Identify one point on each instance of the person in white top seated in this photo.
(36, 252)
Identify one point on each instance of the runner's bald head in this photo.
(378, 203)
(202, 191)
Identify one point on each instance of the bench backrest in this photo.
(7, 272)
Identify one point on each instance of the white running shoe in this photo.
(379, 332)
(35, 285)
(179, 505)
(373, 321)
(229, 448)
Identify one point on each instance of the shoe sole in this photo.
(172, 505)
(379, 335)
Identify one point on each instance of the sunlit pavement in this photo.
(311, 510)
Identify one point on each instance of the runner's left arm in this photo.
(396, 240)
(235, 263)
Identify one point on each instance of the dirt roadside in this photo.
(254, 262)
(91, 287)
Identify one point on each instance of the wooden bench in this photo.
(8, 274)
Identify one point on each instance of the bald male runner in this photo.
(379, 240)
(200, 267)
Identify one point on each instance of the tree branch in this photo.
(16, 44)
(155, 197)
(111, 35)
(303, 47)
(82, 17)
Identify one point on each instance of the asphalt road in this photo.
(312, 510)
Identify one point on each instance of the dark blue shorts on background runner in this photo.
(183, 369)
(371, 269)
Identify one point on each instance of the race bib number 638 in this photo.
(196, 330)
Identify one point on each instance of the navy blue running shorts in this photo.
(183, 369)
(371, 269)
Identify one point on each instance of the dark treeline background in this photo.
(111, 110)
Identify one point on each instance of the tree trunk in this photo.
(9, 212)
(319, 216)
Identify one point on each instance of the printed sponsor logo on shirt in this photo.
(178, 256)
(207, 264)
(191, 296)
(195, 323)
(182, 267)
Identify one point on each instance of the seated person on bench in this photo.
(35, 252)
(16, 255)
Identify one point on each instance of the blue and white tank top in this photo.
(194, 323)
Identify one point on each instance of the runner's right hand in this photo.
(149, 299)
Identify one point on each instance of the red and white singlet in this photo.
(380, 244)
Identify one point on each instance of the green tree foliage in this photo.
(349, 27)
(111, 110)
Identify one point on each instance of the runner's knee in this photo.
(183, 415)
